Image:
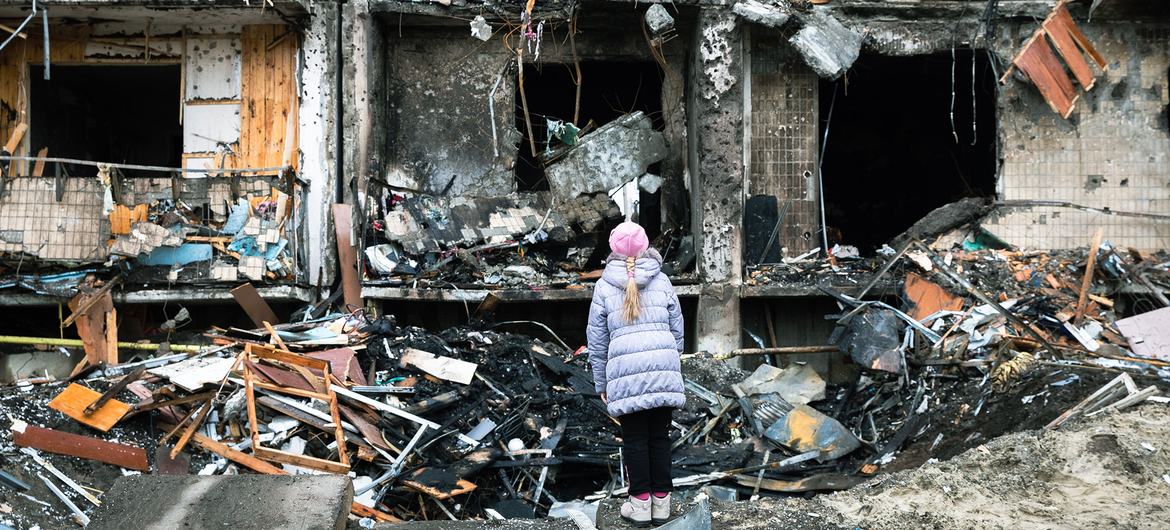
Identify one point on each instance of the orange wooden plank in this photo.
(75, 398)
(1070, 52)
(1061, 14)
(122, 218)
(928, 297)
(1032, 61)
(91, 326)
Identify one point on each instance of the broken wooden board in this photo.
(75, 398)
(279, 376)
(928, 297)
(343, 362)
(1148, 333)
(347, 256)
(445, 368)
(260, 466)
(64, 443)
(303, 363)
(254, 305)
(91, 327)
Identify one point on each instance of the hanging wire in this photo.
(821, 173)
(974, 107)
(953, 61)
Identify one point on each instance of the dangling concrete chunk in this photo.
(618, 152)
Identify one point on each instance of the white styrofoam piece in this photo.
(213, 67)
(204, 125)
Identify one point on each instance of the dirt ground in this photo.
(1110, 471)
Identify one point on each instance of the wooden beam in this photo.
(1090, 267)
(86, 447)
(260, 466)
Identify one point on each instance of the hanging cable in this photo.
(953, 61)
(821, 174)
(974, 108)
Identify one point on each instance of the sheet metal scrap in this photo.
(805, 429)
(873, 339)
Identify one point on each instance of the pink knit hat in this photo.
(628, 239)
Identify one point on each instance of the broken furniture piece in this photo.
(327, 396)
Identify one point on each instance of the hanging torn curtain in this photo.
(1039, 61)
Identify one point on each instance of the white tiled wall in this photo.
(1114, 152)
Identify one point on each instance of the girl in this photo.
(635, 336)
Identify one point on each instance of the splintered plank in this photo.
(75, 398)
(1037, 61)
(445, 368)
(64, 443)
(1061, 15)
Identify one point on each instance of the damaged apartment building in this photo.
(435, 159)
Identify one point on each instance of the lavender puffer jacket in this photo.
(636, 363)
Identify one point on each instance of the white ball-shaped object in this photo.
(515, 444)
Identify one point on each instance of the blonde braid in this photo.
(632, 303)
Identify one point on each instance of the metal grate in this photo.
(783, 154)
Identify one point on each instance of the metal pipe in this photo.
(20, 27)
(821, 174)
(92, 163)
(45, 22)
(828, 348)
(77, 343)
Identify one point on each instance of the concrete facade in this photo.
(739, 114)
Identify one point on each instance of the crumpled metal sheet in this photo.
(798, 383)
(873, 339)
(805, 429)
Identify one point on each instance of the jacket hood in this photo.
(647, 266)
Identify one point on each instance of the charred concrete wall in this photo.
(437, 120)
(1113, 152)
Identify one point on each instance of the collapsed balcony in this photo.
(197, 187)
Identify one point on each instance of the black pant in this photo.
(646, 448)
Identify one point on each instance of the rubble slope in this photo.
(1104, 472)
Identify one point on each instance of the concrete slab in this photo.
(237, 501)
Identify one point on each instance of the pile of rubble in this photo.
(541, 238)
(472, 423)
(187, 239)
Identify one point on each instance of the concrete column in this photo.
(315, 134)
(715, 122)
